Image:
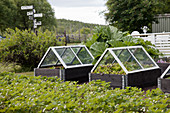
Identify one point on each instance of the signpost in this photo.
(38, 15)
(38, 23)
(27, 7)
(29, 13)
(32, 15)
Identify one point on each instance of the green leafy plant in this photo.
(110, 69)
(110, 37)
(115, 68)
(26, 48)
(20, 93)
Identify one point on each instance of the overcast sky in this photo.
(80, 10)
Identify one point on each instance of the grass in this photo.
(9, 67)
(26, 73)
(69, 44)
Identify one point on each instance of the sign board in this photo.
(35, 26)
(38, 23)
(34, 10)
(30, 17)
(38, 15)
(26, 7)
(35, 20)
(29, 13)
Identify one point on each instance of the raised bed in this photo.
(164, 81)
(72, 74)
(66, 62)
(139, 79)
(140, 70)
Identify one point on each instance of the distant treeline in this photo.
(74, 27)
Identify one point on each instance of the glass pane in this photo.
(127, 59)
(60, 51)
(141, 56)
(84, 56)
(76, 49)
(50, 59)
(108, 65)
(68, 57)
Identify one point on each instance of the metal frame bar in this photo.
(97, 63)
(135, 59)
(76, 55)
(118, 56)
(89, 52)
(165, 72)
(150, 57)
(60, 59)
(131, 56)
(43, 57)
(117, 59)
(74, 66)
(61, 54)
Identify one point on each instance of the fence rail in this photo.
(160, 40)
(73, 38)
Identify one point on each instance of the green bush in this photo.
(9, 67)
(25, 47)
(29, 94)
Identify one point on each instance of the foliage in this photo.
(85, 30)
(131, 15)
(166, 7)
(41, 94)
(115, 68)
(25, 47)
(109, 37)
(9, 67)
(72, 27)
(110, 69)
(12, 16)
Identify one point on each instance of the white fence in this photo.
(160, 40)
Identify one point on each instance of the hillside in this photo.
(72, 27)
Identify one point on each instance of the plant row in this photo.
(21, 93)
(115, 68)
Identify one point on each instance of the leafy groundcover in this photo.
(29, 94)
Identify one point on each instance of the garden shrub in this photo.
(25, 47)
(9, 67)
(20, 93)
(110, 37)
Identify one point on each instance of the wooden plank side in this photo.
(115, 80)
(80, 74)
(47, 72)
(144, 78)
(165, 85)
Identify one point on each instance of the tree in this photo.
(131, 15)
(12, 16)
(85, 30)
(166, 8)
(7, 14)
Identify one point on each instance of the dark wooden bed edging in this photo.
(72, 74)
(138, 79)
(164, 84)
